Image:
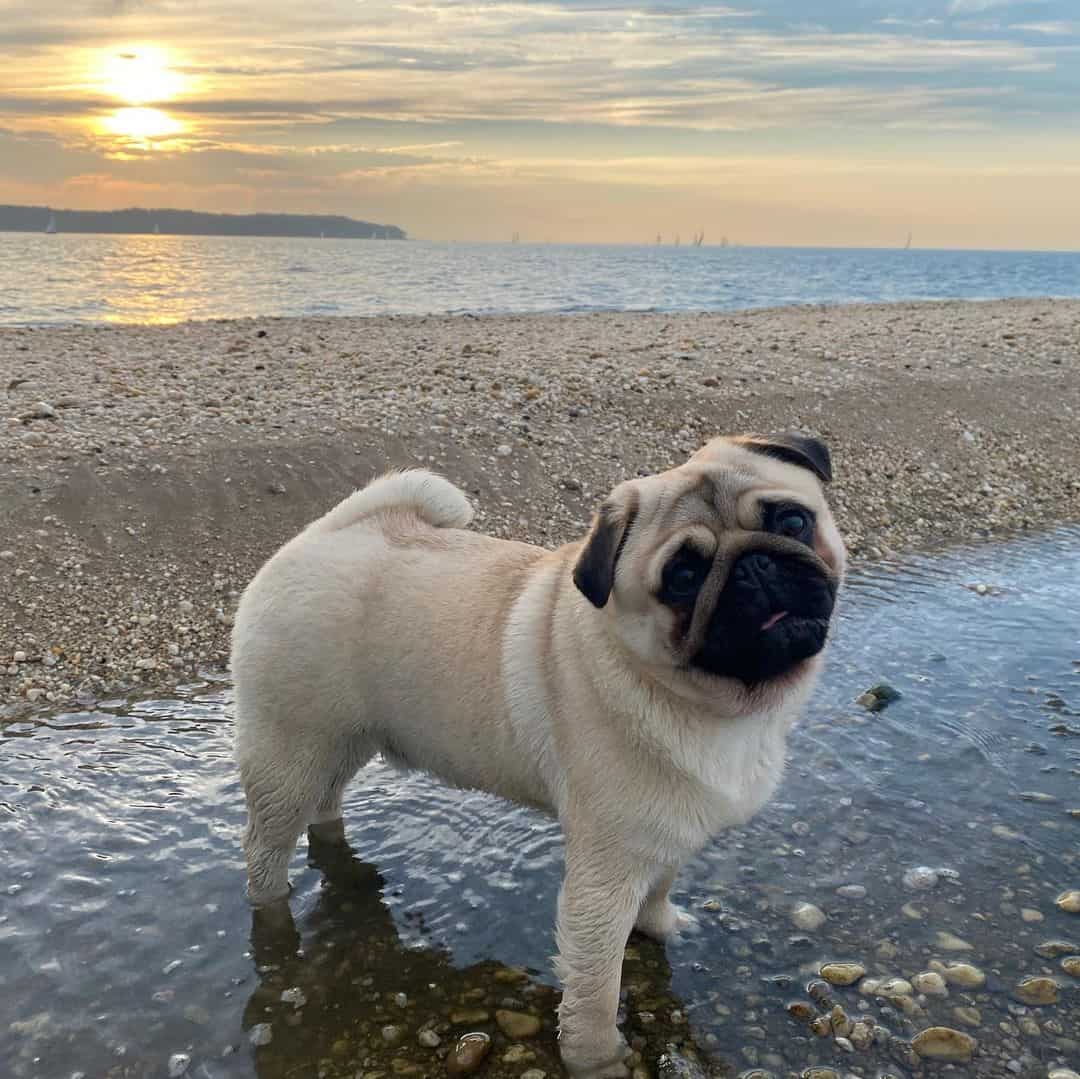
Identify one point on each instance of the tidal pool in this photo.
(127, 948)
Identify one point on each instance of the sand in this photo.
(148, 471)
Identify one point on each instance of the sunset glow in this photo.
(141, 124)
(568, 120)
(141, 75)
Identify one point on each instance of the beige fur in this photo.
(384, 627)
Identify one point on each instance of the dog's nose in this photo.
(755, 566)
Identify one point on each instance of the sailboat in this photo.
(515, 238)
(907, 246)
(699, 238)
(723, 241)
(50, 228)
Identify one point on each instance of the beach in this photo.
(149, 470)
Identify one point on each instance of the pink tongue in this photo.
(773, 620)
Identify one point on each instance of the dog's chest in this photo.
(727, 777)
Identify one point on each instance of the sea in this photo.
(95, 279)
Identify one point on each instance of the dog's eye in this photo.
(791, 521)
(683, 576)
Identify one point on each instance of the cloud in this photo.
(382, 97)
(976, 7)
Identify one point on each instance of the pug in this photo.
(638, 684)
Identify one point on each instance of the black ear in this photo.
(796, 449)
(594, 572)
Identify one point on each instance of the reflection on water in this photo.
(87, 278)
(123, 922)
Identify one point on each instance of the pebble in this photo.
(931, 983)
(517, 1054)
(841, 1024)
(851, 891)
(1069, 901)
(952, 943)
(895, 987)
(1054, 949)
(1029, 1026)
(260, 1034)
(842, 973)
(428, 1039)
(807, 917)
(1071, 965)
(878, 697)
(178, 1065)
(294, 996)
(517, 1025)
(861, 1035)
(469, 1015)
(1037, 990)
(970, 1017)
(963, 974)
(1062, 1073)
(1029, 915)
(468, 1054)
(820, 1073)
(944, 1043)
(391, 1034)
(534, 1073)
(920, 878)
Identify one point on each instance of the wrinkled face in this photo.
(725, 569)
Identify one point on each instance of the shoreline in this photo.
(150, 470)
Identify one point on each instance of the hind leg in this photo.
(325, 824)
(282, 797)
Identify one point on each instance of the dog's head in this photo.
(725, 569)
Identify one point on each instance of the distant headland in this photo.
(192, 223)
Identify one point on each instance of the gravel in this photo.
(148, 471)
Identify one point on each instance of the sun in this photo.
(142, 124)
(140, 75)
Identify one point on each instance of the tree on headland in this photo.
(193, 223)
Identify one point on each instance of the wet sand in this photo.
(148, 471)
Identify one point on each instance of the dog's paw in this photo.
(593, 1064)
(665, 920)
(615, 1070)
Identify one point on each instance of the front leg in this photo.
(600, 898)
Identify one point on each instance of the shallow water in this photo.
(120, 279)
(125, 937)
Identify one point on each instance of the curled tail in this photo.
(431, 497)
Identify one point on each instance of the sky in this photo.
(846, 122)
